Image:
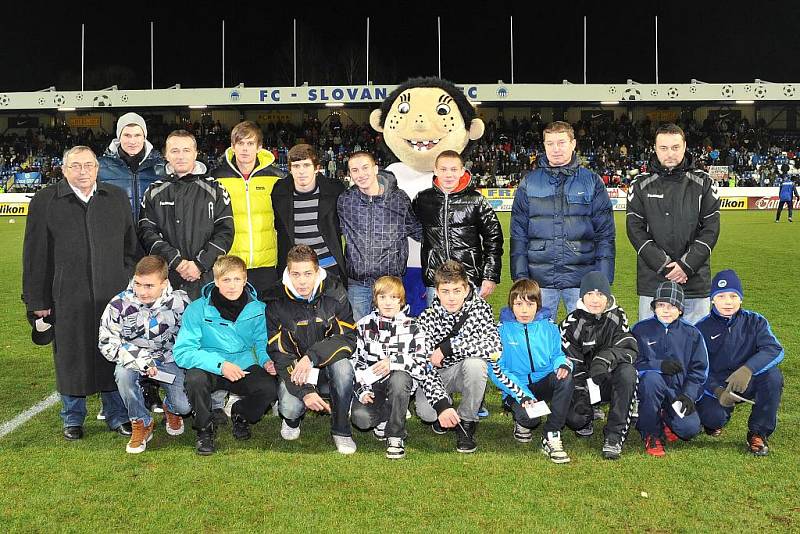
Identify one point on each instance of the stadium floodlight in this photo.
(757, 80)
(112, 88)
(240, 86)
(632, 82)
(334, 104)
(198, 106)
(745, 102)
(476, 102)
(609, 103)
(566, 82)
(51, 88)
(66, 109)
(500, 82)
(176, 86)
(696, 81)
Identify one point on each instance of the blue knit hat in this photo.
(726, 280)
(595, 281)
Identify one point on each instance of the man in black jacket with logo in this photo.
(673, 223)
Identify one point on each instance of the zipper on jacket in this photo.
(446, 231)
(249, 220)
(530, 355)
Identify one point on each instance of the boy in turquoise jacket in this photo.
(222, 344)
(532, 359)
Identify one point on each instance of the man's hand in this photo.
(42, 313)
(232, 372)
(436, 358)
(300, 374)
(449, 418)
(382, 367)
(676, 274)
(562, 372)
(487, 288)
(192, 272)
(152, 371)
(269, 367)
(368, 398)
(314, 402)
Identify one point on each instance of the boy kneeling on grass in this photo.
(533, 360)
(743, 356)
(392, 347)
(462, 341)
(596, 338)
(137, 332)
(672, 366)
(222, 344)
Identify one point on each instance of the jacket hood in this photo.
(130, 294)
(264, 158)
(569, 169)
(507, 315)
(199, 169)
(322, 274)
(113, 150)
(385, 179)
(464, 183)
(654, 166)
(612, 304)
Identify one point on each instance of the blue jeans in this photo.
(360, 297)
(693, 309)
(335, 380)
(73, 409)
(128, 384)
(551, 298)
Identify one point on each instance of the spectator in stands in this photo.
(79, 251)
(186, 217)
(305, 212)
(130, 162)
(786, 194)
(248, 174)
(562, 224)
(673, 238)
(376, 221)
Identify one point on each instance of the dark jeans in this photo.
(390, 405)
(557, 393)
(258, 390)
(654, 396)
(780, 209)
(620, 390)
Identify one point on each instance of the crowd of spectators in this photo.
(617, 149)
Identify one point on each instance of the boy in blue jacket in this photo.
(532, 359)
(672, 366)
(222, 344)
(743, 356)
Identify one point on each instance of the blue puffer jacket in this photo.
(676, 341)
(530, 351)
(744, 339)
(562, 226)
(114, 170)
(206, 340)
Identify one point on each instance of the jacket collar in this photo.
(63, 188)
(209, 311)
(199, 170)
(264, 158)
(686, 165)
(386, 179)
(113, 151)
(130, 295)
(322, 274)
(568, 170)
(464, 183)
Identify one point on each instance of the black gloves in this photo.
(671, 367)
(687, 403)
(598, 371)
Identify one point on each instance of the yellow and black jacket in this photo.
(255, 240)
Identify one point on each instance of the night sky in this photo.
(713, 45)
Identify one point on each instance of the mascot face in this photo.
(422, 123)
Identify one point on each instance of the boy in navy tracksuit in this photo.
(743, 356)
(672, 366)
(532, 359)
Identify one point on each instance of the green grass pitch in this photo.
(267, 484)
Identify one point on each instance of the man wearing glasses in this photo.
(79, 251)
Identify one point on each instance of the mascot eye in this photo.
(442, 109)
(404, 107)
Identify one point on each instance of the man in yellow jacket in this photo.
(248, 174)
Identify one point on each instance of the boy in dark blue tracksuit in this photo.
(672, 366)
(743, 356)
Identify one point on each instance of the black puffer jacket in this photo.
(673, 216)
(459, 226)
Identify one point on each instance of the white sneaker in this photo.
(380, 431)
(275, 411)
(344, 444)
(395, 449)
(232, 399)
(288, 433)
(522, 434)
(552, 447)
(408, 414)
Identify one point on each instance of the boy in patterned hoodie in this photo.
(392, 346)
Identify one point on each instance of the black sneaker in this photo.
(152, 399)
(219, 416)
(205, 441)
(438, 429)
(465, 437)
(241, 428)
(612, 448)
(125, 429)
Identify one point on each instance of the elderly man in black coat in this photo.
(79, 251)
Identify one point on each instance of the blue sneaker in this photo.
(483, 412)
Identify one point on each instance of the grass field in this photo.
(267, 484)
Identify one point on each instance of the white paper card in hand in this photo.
(367, 376)
(739, 398)
(167, 378)
(594, 391)
(313, 376)
(42, 326)
(677, 406)
(537, 409)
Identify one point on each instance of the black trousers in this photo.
(258, 389)
(262, 278)
(619, 390)
(780, 209)
(557, 393)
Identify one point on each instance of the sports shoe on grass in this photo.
(612, 448)
(241, 428)
(229, 402)
(713, 432)
(174, 422)
(554, 449)
(465, 437)
(438, 429)
(395, 448)
(344, 444)
(140, 435)
(289, 433)
(757, 444)
(219, 417)
(598, 413)
(205, 441)
(669, 435)
(380, 431)
(585, 432)
(483, 411)
(522, 434)
(653, 446)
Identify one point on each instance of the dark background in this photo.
(729, 43)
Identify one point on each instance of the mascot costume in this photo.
(419, 120)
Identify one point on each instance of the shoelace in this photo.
(555, 443)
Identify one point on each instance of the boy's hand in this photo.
(562, 372)
(724, 397)
(436, 358)
(269, 367)
(232, 372)
(449, 418)
(382, 367)
(740, 379)
(598, 371)
(671, 367)
(487, 288)
(300, 374)
(527, 402)
(687, 403)
(314, 402)
(152, 371)
(367, 398)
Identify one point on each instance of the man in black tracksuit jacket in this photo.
(673, 223)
